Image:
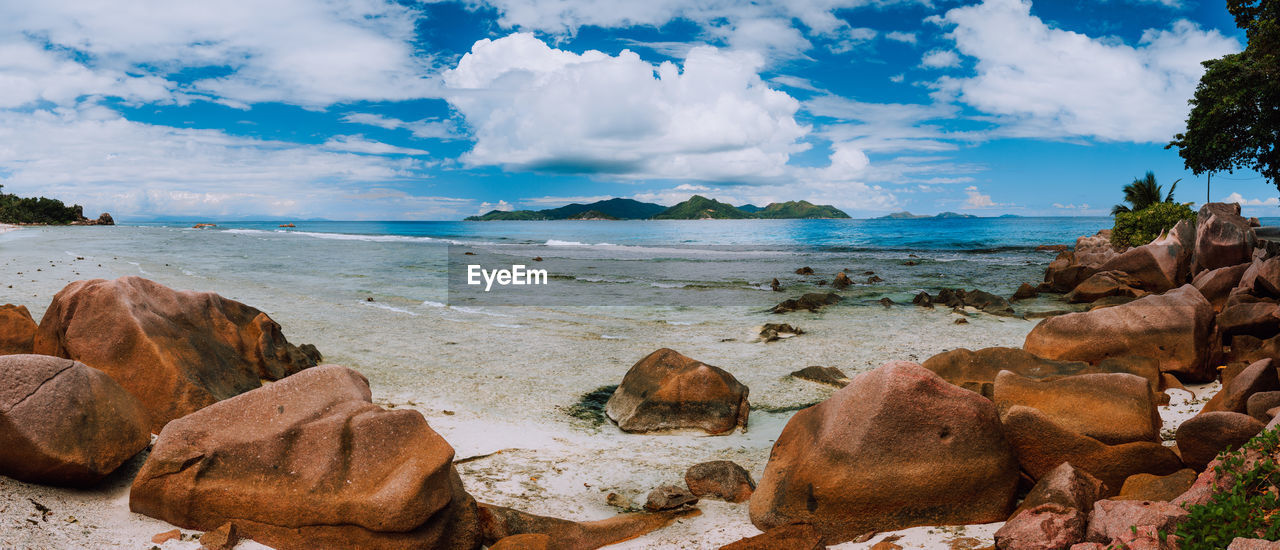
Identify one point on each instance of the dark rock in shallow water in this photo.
(806, 270)
(812, 301)
(775, 285)
(886, 302)
(923, 300)
(771, 332)
(667, 390)
(823, 375)
(841, 281)
(874, 279)
(1025, 292)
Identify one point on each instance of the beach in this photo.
(498, 383)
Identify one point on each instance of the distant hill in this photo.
(44, 211)
(904, 215)
(696, 208)
(592, 215)
(617, 209)
(699, 207)
(799, 210)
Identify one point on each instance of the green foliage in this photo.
(699, 207)
(1235, 114)
(15, 209)
(1249, 508)
(1143, 226)
(516, 215)
(799, 210)
(1143, 192)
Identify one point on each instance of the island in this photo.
(904, 215)
(44, 211)
(696, 208)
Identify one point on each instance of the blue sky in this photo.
(373, 109)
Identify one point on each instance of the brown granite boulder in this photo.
(976, 370)
(498, 523)
(1260, 376)
(720, 480)
(666, 391)
(1111, 408)
(1042, 445)
(17, 330)
(669, 497)
(1162, 265)
(795, 536)
(1216, 285)
(1104, 284)
(1223, 237)
(1113, 519)
(841, 281)
(1071, 268)
(896, 448)
(1065, 487)
(1042, 528)
(1153, 487)
(1173, 327)
(1260, 405)
(309, 462)
(1201, 438)
(1024, 292)
(176, 351)
(1259, 319)
(1246, 349)
(63, 423)
(1242, 543)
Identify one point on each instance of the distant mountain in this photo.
(514, 215)
(618, 209)
(623, 209)
(699, 207)
(799, 210)
(696, 208)
(904, 215)
(592, 215)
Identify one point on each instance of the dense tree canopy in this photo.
(1143, 192)
(1235, 114)
(15, 209)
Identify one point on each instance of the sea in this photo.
(693, 263)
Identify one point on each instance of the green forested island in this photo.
(904, 215)
(44, 211)
(696, 208)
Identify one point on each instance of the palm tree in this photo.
(1143, 192)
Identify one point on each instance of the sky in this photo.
(403, 110)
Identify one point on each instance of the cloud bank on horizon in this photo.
(377, 109)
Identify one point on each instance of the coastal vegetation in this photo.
(1149, 212)
(41, 210)
(1235, 113)
(904, 215)
(696, 208)
(1248, 506)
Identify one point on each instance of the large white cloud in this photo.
(1049, 82)
(93, 157)
(531, 106)
(293, 51)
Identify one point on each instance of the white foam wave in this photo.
(389, 308)
(430, 303)
(479, 311)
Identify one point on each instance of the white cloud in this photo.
(422, 129)
(940, 59)
(93, 157)
(532, 107)
(501, 206)
(358, 144)
(29, 73)
(975, 200)
(774, 38)
(1238, 198)
(900, 36)
(294, 51)
(1048, 82)
(897, 78)
(566, 16)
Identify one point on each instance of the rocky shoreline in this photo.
(1062, 438)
